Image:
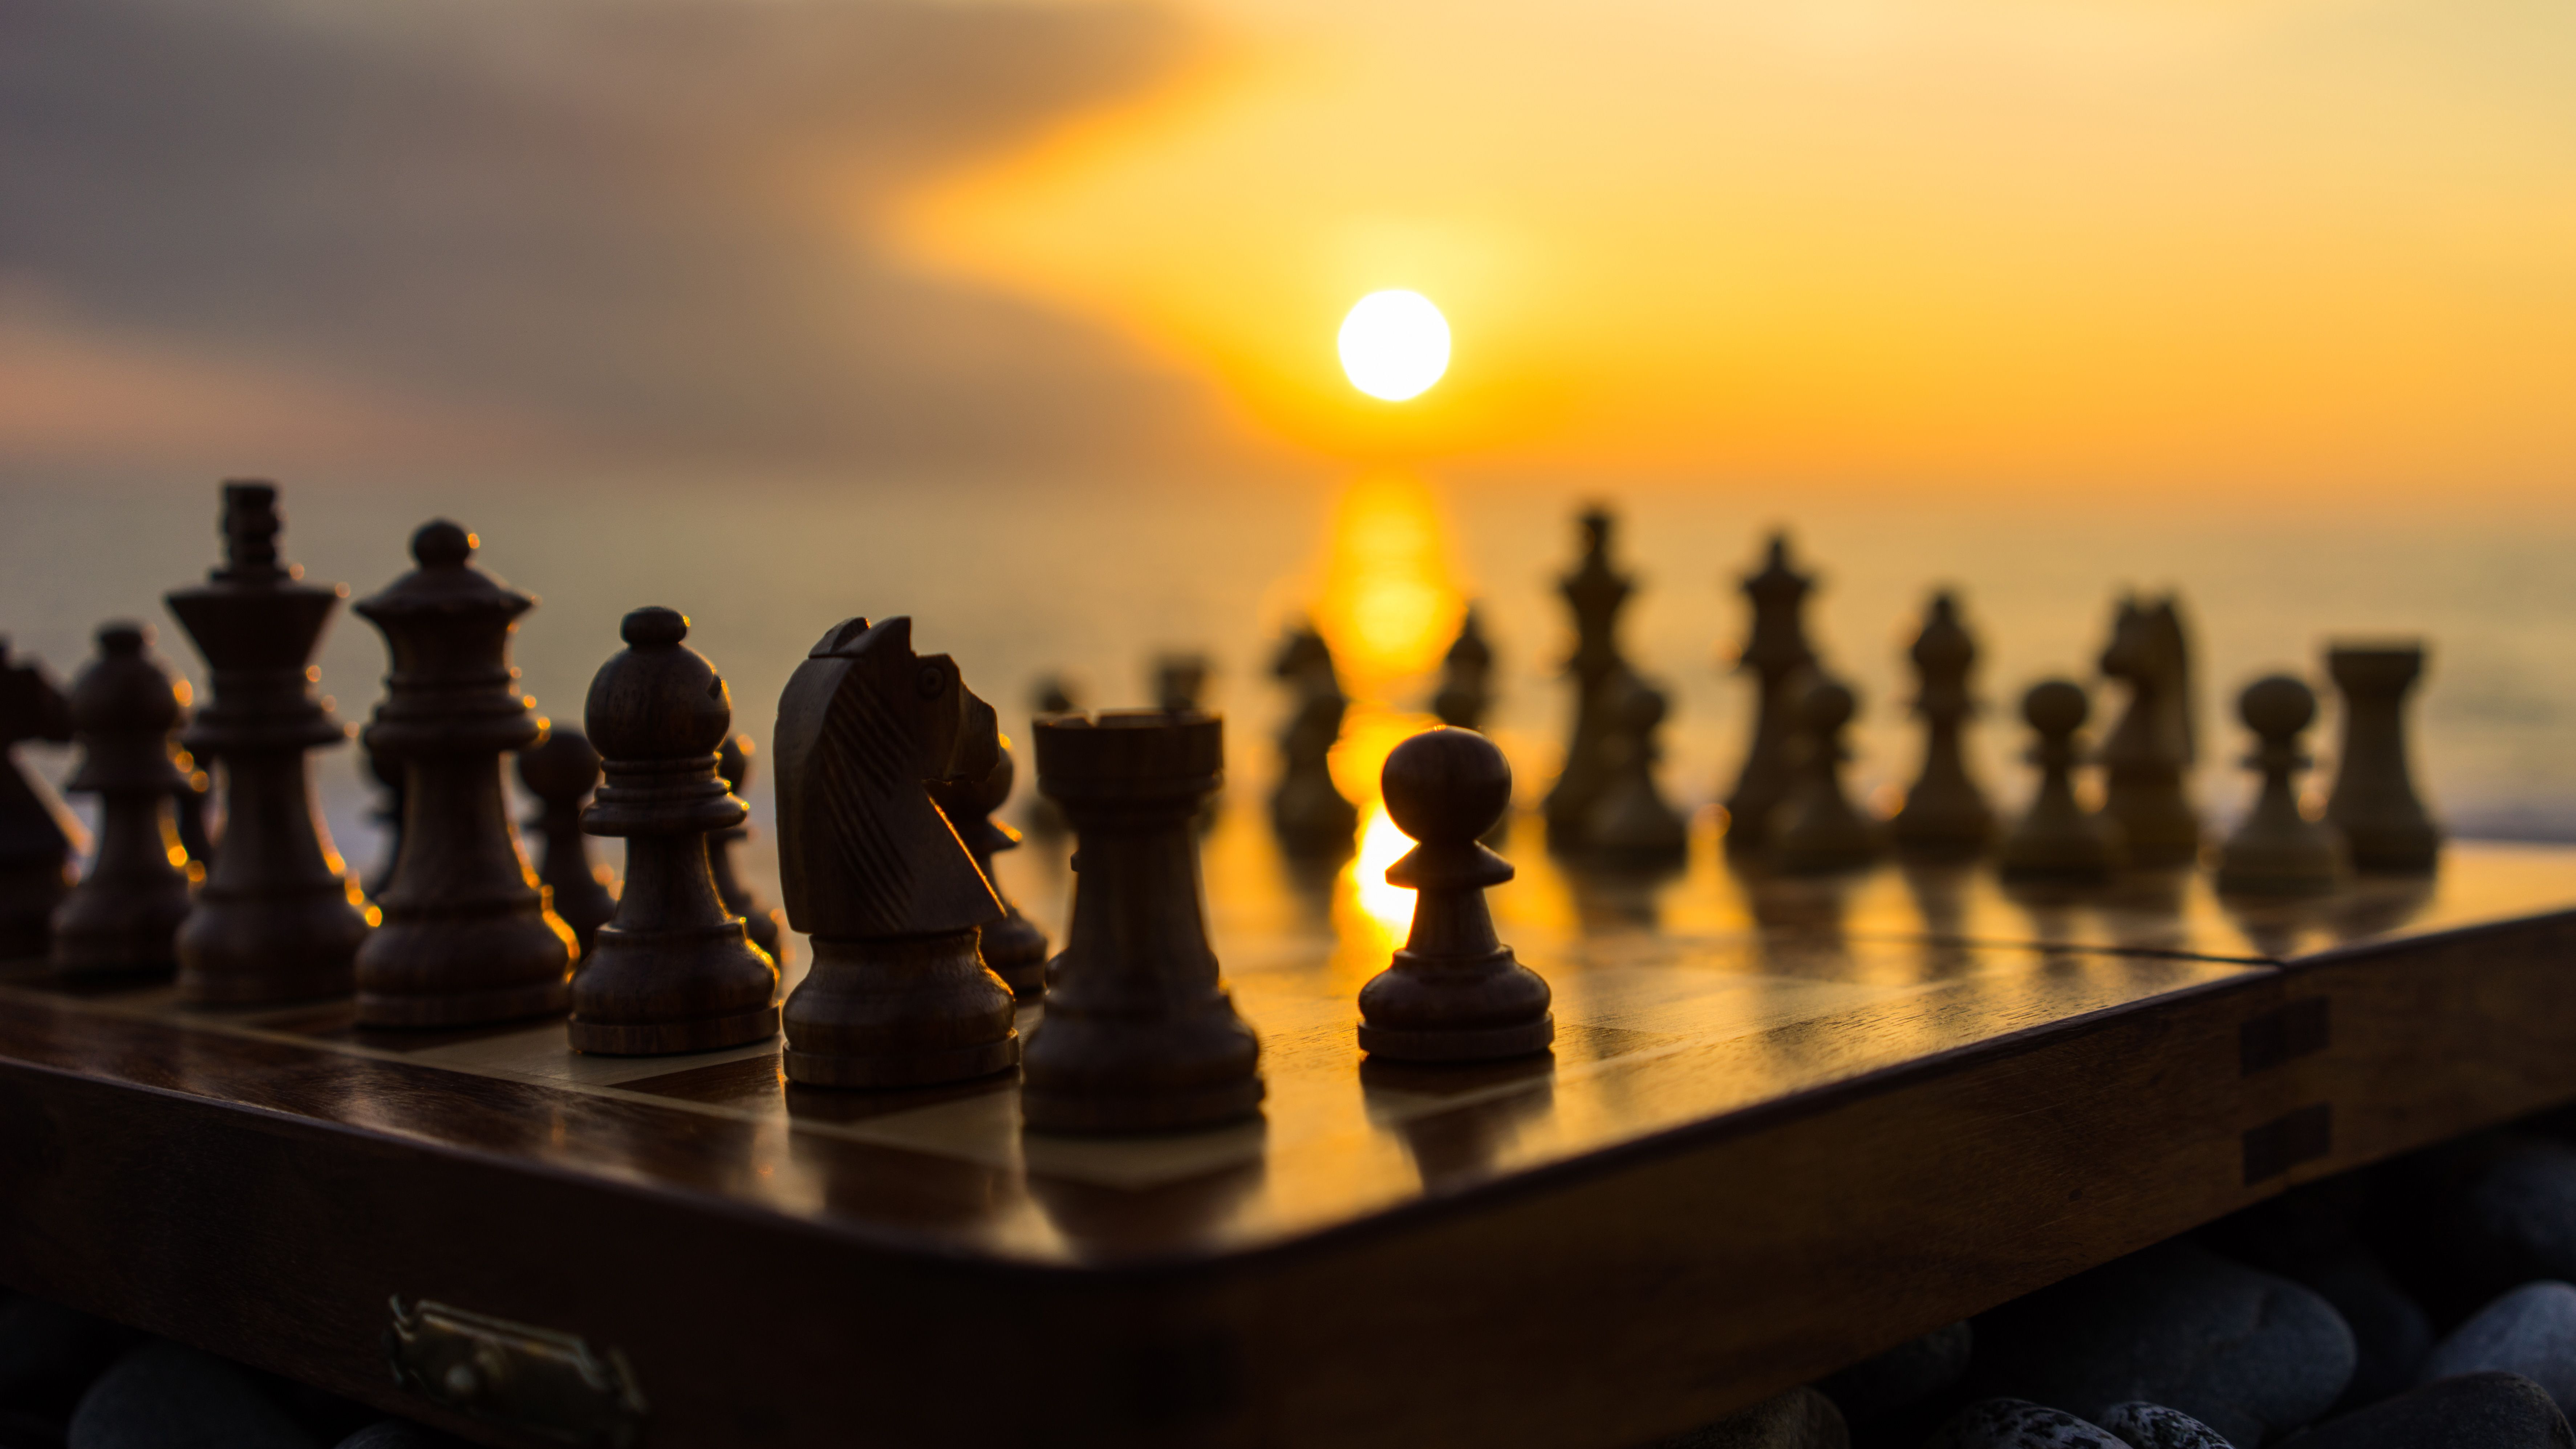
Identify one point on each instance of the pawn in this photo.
(2374, 802)
(2278, 851)
(36, 833)
(388, 814)
(2059, 840)
(1945, 816)
(561, 772)
(1629, 822)
(1816, 830)
(1466, 683)
(733, 766)
(1013, 947)
(672, 971)
(123, 918)
(1454, 993)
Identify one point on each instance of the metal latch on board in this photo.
(534, 1379)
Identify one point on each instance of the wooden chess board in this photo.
(1786, 1124)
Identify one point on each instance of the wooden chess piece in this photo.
(1139, 1034)
(466, 936)
(1945, 816)
(1777, 655)
(673, 970)
(1307, 810)
(2147, 756)
(387, 813)
(188, 802)
(1466, 682)
(1454, 992)
(897, 994)
(1053, 694)
(2276, 850)
(277, 917)
(1596, 592)
(123, 918)
(733, 766)
(1630, 824)
(2384, 823)
(561, 771)
(37, 835)
(1180, 680)
(2059, 840)
(1013, 946)
(1817, 831)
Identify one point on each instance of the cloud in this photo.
(636, 225)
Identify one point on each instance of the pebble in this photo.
(2153, 1426)
(2248, 1353)
(1904, 1376)
(2511, 1218)
(2479, 1411)
(49, 1352)
(1798, 1419)
(2389, 1328)
(164, 1396)
(2021, 1424)
(2530, 1331)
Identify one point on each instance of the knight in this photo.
(2150, 751)
(1311, 815)
(898, 993)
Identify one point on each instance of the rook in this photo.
(123, 918)
(2277, 851)
(2374, 802)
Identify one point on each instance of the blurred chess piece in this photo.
(1013, 946)
(1945, 816)
(123, 918)
(1312, 818)
(562, 771)
(1052, 694)
(2058, 840)
(2374, 804)
(189, 812)
(379, 769)
(1630, 824)
(1466, 681)
(733, 766)
(2276, 850)
(37, 835)
(1180, 680)
(276, 917)
(1596, 592)
(1777, 655)
(2148, 755)
(1817, 830)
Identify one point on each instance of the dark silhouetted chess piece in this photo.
(1053, 694)
(36, 834)
(1817, 830)
(2276, 850)
(1013, 946)
(1180, 680)
(466, 936)
(1630, 824)
(1454, 993)
(196, 783)
(1307, 810)
(733, 766)
(2150, 752)
(1777, 655)
(1466, 679)
(1945, 816)
(276, 917)
(1596, 592)
(123, 918)
(561, 771)
(388, 813)
(2058, 840)
(2374, 804)
(1139, 1034)
(897, 994)
(673, 970)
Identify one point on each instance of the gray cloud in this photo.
(643, 220)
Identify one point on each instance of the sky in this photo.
(2319, 248)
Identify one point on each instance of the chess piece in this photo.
(123, 918)
(1817, 831)
(1596, 591)
(1466, 683)
(37, 835)
(561, 771)
(1053, 694)
(1013, 946)
(2384, 824)
(1180, 681)
(897, 994)
(388, 814)
(1945, 816)
(277, 917)
(673, 970)
(2059, 840)
(2276, 850)
(2148, 754)
(733, 766)
(1139, 1034)
(1629, 823)
(1307, 809)
(189, 810)
(1454, 993)
(1776, 654)
(466, 936)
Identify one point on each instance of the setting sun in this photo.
(1395, 345)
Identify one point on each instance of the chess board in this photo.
(1786, 1123)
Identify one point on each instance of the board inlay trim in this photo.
(2283, 1143)
(2278, 1036)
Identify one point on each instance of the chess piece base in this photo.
(120, 928)
(1108, 1072)
(1122, 1113)
(1435, 1009)
(647, 992)
(1017, 952)
(461, 970)
(1455, 1044)
(899, 1012)
(251, 952)
(469, 1008)
(669, 1038)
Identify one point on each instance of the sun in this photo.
(1394, 345)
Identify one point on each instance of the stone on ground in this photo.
(2478, 1411)
(1904, 1376)
(2153, 1426)
(2021, 1424)
(164, 1396)
(2530, 1331)
(1798, 1419)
